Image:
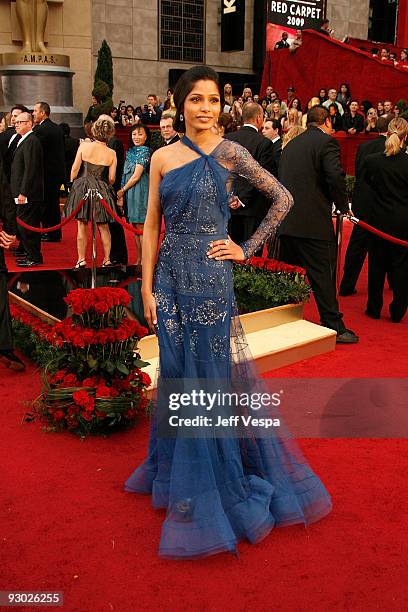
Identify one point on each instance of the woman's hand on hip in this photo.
(225, 249)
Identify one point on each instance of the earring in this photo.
(181, 117)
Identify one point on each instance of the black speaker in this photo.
(232, 25)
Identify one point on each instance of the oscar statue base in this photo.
(27, 78)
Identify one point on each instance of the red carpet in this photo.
(67, 525)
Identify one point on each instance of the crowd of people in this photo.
(40, 156)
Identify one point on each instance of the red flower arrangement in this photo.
(272, 265)
(94, 381)
(37, 325)
(262, 283)
(78, 336)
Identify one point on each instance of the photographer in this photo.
(151, 114)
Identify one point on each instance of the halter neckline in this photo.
(190, 144)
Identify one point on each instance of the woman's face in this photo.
(380, 107)
(322, 93)
(295, 103)
(139, 137)
(114, 113)
(240, 101)
(404, 56)
(276, 107)
(202, 105)
(169, 92)
(332, 111)
(2, 125)
(372, 113)
(129, 111)
(247, 92)
(396, 111)
(264, 104)
(123, 110)
(228, 89)
(343, 89)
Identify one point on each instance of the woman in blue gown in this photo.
(216, 491)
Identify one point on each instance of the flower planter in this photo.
(276, 336)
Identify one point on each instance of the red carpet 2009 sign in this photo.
(297, 13)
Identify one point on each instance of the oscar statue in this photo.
(32, 16)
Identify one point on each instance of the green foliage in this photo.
(350, 183)
(402, 105)
(256, 289)
(104, 68)
(39, 351)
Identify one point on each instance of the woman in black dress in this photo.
(387, 174)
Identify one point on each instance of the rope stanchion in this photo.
(116, 217)
(377, 232)
(45, 230)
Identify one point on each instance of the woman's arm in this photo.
(112, 168)
(77, 163)
(151, 233)
(237, 159)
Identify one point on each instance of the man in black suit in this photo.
(27, 188)
(151, 112)
(9, 139)
(52, 141)
(362, 201)
(167, 130)
(246, 219)
(71, 146)
(272, 129)
(283, 42)
(310, 169)
(7, 237)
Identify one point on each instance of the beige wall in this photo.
(68, 32)
(348, 18)
(133, 36)
(131, 27)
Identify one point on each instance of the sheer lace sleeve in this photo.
(239, 161)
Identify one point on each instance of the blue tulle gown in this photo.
(216, 491)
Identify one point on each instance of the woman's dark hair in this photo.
(66, 130)
(299, 108)
(366, 104)
(347, 86)
(140, 126)
(114, 109)
(185, 84)
(325, 94)
(131, 107)
(224, 120)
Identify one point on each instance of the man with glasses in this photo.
(10, 138)
(27, 188)
(332, 93)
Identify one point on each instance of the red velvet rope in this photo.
(122, 222)
(45, 230)
(381, 234)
